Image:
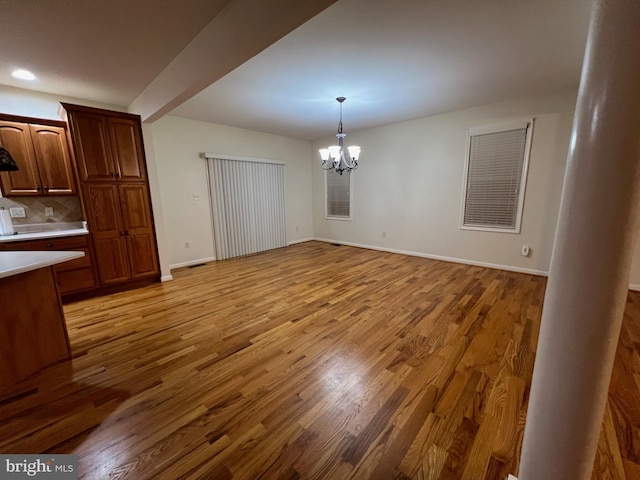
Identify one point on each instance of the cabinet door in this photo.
(105, 223)
(126, 146)
(15, 137)
(91, 141)
(138, 225)
(53, 159)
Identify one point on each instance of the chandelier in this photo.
(334, 158)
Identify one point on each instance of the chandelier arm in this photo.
(330, 167)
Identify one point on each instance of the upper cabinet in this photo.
(126, 146)
(43, 158)
(108, 145)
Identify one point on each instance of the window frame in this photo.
(326, 198)
(527, 123)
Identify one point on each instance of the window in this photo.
(338, 195)
(495, 176)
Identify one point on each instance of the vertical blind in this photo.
(248, 203)
(338, 188)
(494, 177)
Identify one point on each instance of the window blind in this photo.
(338, 193)
(496, 163)
(248, 203)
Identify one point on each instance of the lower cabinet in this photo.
(72, 276)
(32, 326)
(122, 227)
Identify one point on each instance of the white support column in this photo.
(597, 231)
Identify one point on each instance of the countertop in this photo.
(14, 263)
(46, 230)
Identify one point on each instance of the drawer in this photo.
(63, 243)
(75, 280)
(76, 262)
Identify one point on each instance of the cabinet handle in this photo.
(48, 245)
(38, 187)
(113, 175)
(119, 175)
(126, 232)
(122, 234)
(46, 188)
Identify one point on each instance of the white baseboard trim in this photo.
(441, 258)
(632, 286)
(192, 262)
(301, 240)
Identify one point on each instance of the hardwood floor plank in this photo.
(308, 362)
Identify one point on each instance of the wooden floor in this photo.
(313, 361)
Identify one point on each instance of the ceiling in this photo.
(393, 60)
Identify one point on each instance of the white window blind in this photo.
(338, 194)
(495, 177)
(248, 203)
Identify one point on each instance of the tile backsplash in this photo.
(65, 209)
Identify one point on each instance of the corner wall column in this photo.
(589, 273)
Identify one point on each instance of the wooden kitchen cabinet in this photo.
(43, 157)
(122, 227)
(138, 227)
(73, 276)
(32, 326)
(105, 220)
(108, 144)
(115, 192)
(126, 143)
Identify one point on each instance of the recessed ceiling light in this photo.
(23, 74)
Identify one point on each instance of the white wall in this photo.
(28, 103)
(178, 143)
(410, 180)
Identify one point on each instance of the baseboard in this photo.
(191, 262)
(301, 241)
(632, 286)
(440, 257)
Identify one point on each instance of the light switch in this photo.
(196, 196)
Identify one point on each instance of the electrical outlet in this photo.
(524, 251)
(48, 211)
(187, 245)
(17, 212)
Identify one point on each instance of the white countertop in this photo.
(39, 235)
(37, 231)
(13, 263)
